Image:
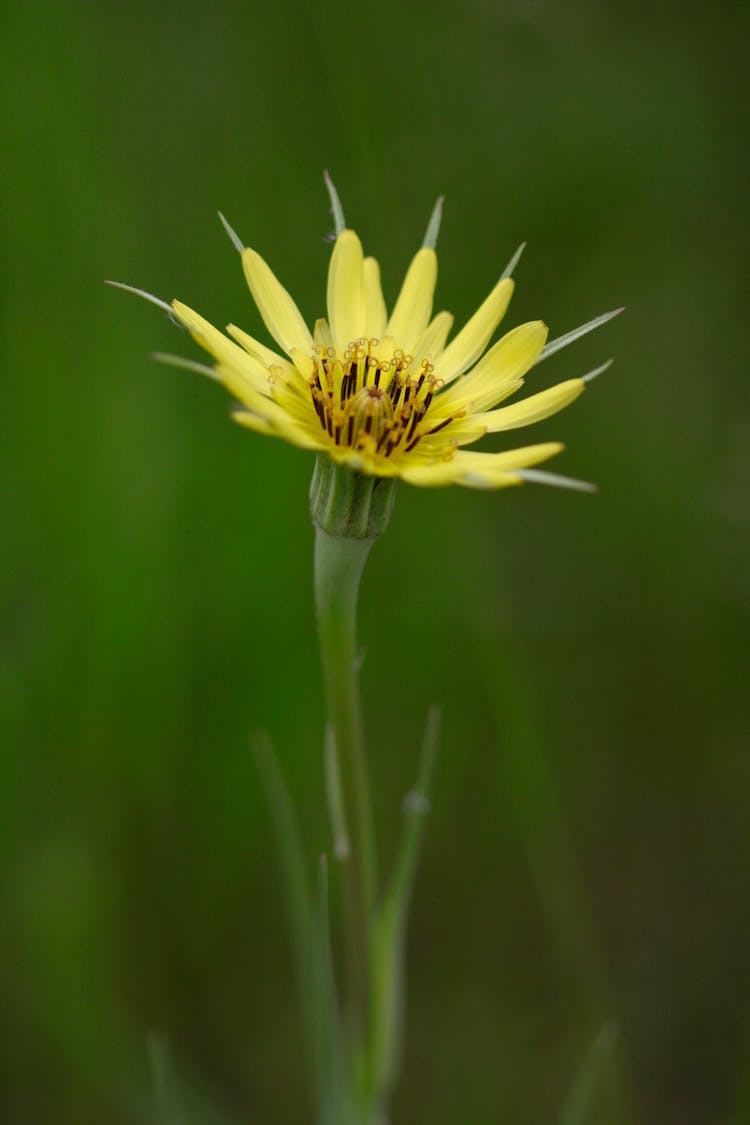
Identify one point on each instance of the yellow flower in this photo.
(386, 394)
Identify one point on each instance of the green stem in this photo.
(339, 562)
(349, 510)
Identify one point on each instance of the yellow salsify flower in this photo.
(387, 395)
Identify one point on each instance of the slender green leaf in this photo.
(330, 1060)
(180, 1098)
(391, 926)
(577, 1109)
(294, 873)
(165, 1085)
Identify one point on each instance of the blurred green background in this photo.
(587, 854)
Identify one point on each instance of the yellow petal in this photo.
(462, 432)
(346, 297)
(480, 470)
(512, 459)
(433, 339)
(267, 356)
(259, 400)
(294, 373)
(532, 409)
(322, 333)
(222, 349)
(375, 310)
(488, 480)
(362, 461)
(436, 474)
(253, 422)
(303, 364)
(279, 427)
(504, 364)
(439, 475)
(473, 338)
(280, 314)
(295, 403)
(414, 305)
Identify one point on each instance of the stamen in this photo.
(441, 425)
(352, 405)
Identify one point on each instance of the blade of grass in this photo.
(330, 1062)
(180, 1098)
(577, 1109)
(524, 773)
(294, 873)
(391, 927)
(167, 1108)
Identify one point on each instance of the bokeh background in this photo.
(586, 864)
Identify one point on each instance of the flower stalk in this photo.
(349, 511)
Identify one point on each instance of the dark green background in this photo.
(587, 855)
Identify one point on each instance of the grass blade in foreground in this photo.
(168, 1110)
(294, 874)
(391, 927)
(334, 1100)
(180, 1098)
(578, 1107)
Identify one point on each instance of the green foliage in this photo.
(390, 930)
(578, 1108)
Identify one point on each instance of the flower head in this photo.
(386, 393)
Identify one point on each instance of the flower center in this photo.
(367, 402)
